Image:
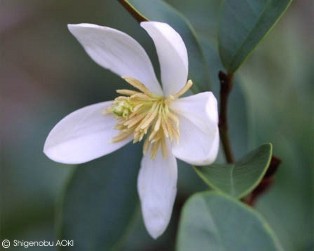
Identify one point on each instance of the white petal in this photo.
(199, 135)
(118, 52)
(172, 56)
(157, 182)
(83, 135)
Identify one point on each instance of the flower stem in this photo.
(138, 16)
(225, 88)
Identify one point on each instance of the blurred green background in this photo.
(45, 74)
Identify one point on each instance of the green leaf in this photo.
(240, 178)
(100, 200)
(243, 25)
(214, 222)
(157, 10)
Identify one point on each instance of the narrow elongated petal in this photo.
(172, 56)
(118, 52)
(199, 136)
(83, 135)
(157, 183)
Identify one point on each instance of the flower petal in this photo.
(118, 52)
(157, 182)
(199, 135)
(83, 135)
(172, 56)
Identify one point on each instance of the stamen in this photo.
(134, 120)
(165, 128)
(137, 107)
(121, 136)
(143, 114)
(185, 88)
(137, 84)
(151, 115)
(126, 92)
(140, 96)
(157, 124)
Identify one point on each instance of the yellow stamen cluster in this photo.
(140, 112)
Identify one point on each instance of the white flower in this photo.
(172, 127)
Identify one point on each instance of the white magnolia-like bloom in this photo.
(171, 127)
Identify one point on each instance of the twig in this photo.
(266, 182)
(225, 88)
(137, 16)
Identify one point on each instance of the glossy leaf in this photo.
(158, 10)
(243, 25)
(214, 222)
(100, 200)
(240, 178)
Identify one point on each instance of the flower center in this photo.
(141, 113)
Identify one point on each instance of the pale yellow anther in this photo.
(140, 113)
(126, 92)
(137, 84)
(157, 124)
(185, 88)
